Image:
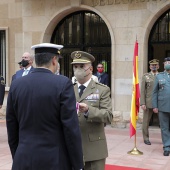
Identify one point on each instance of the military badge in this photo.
(77, 55)
(77, 107)
(93, 97)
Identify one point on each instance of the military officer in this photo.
(2, 91)
(42, 123)
(94, 110)
(146, 98)
(161, 104)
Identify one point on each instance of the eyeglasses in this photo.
(99, 67)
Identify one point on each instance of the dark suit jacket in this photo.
(19, 73)
(2, 90)
(104, 79)
(42, 123)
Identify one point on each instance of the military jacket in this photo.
(146, 89)
(42, 123)
(2, 90)
(97, 97)
(161, 92)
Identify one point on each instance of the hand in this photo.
(83, 107)
(155, 110)
(143, 107)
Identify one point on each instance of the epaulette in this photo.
(161, 73)
(101, 84)
(146, 74)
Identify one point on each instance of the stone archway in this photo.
(85, 31)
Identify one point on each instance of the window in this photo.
(159, 39)
(3, 53)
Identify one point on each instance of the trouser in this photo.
(147, 114)
(95, 165)
(164, 119)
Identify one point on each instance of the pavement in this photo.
(119, 143)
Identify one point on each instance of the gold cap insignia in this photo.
(77, 55)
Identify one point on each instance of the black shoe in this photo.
(147, 142)
(166, 153)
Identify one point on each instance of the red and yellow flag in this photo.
(135, 94)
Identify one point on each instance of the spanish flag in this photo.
(135, 94)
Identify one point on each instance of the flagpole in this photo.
(135, 102)
(135, 150)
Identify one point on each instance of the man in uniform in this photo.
(94, 110)
(2, 91)
(42, 123)
(161, 104)
(146, 98)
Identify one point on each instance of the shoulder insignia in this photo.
(146, 75)
(2, 82)
(101, 84)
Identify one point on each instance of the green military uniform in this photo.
(2, 90)
(161, 100)
(97, 97)
(146, 99)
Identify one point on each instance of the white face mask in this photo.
(80, 73)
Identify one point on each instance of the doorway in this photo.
(159, 47)
(84, 31)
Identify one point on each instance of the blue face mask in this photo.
(167, 67)
(154, 68)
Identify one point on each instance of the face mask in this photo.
(24, 63)
(80, 73)
(57, 72)
(167, 67)
(100, 70)
(154, 68)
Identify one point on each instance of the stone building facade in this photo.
(29, 22)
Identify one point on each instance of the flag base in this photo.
(135, 151)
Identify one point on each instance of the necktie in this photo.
(81, 87)
(25, 72)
